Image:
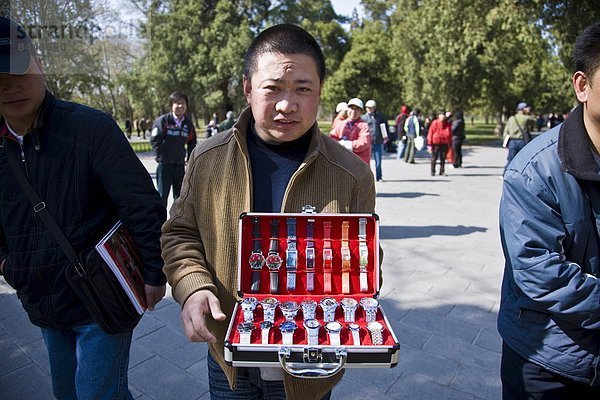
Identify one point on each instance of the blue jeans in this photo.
(249, 385)
(88, 363)
(514, 146)
(168, 175)
(377, 150)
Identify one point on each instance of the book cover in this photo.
(119, 251)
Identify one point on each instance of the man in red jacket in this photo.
(439, 138)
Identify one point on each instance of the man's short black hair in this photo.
(176, 96)
(586, 52)
(284, 39)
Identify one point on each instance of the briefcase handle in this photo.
(307, 369)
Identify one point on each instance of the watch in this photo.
(310, 255)
(329, 305)
(327, 257)
(345, 251)
(256, 260)
(333, 329)
(265, 328)
(312, 326)
(269, 304)
(355, 330)
(363, 254)
(309, 309)
(370, 305)
(287, 329)
(349, 305)
(376, 330)
(289, 310)
(245, 329)
(291, 254)
(248, 305)
(273, 260)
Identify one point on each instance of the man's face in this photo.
(371, 110)
(179, 108)
(354, 113)
(284, 94)
(21, 96)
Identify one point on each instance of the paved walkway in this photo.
(442, 271)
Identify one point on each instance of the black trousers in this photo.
(524, 380)
(439, 151)
(457, 143)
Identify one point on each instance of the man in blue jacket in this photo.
(549, 316)
(82, 167)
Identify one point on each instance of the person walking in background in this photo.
(341, 114)
(439, 138)
(274, 160)
(458, 138)
(412, 127)
(399, 128)
(128, 128)
(171, 134)
(378, 126)
(228, 122)
(143, 126)
(549, 316)
(354, 133)
(517, 131)
(211, 129)
(82, 166)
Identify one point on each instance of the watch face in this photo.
(333, 327)
(256, 260)
(287, 327)
(328, 302)
(309, 304)
(269, 302)
(368, 302)
(245, 327)
(289, 306)
(311, 323)
(274, 261)
(374, 326)
(249, 303)
(348, 303)
(266, 325)
(354, 327)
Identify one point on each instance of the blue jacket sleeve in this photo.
(132, 192)
(533, 233)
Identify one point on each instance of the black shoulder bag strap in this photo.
(39, 207)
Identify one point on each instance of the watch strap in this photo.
(355, 337)
(345, 250)
(265, 335)
(255, 287)
(274, 282)
(327, 257)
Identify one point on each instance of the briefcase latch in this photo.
(313, 355)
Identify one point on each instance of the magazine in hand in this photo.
(119, 251)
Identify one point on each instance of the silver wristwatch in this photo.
(312, 326)
(248, 305)
(329, 305)
(309, 309)
(265, 328)
(291, 255)
(333, 330)
(370, 305)
(269, 305)
(355, 331)
(245, 330)
(376, 330)
(287, 329)
(289, 310)
(349, 306)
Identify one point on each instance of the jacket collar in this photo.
(575, 148)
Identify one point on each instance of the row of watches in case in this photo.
(312, 327)
(273, 261)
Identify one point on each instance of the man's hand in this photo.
(199, 304)
(153, 295)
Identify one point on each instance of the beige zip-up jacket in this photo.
(200, 239)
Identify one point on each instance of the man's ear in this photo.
(580, 84)
(247, 85)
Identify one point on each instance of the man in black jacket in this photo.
(81, 165)
(171, 134)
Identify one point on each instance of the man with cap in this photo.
(517, 132)
(341, 113)
(354, 134)
(82, 167)
(379, 135)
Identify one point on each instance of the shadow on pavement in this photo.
(404, 232)
(406, 195)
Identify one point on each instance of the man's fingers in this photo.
(215, 309)
(195, 329)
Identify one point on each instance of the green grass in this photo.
(141, 147)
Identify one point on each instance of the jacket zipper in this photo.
(24, 162)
